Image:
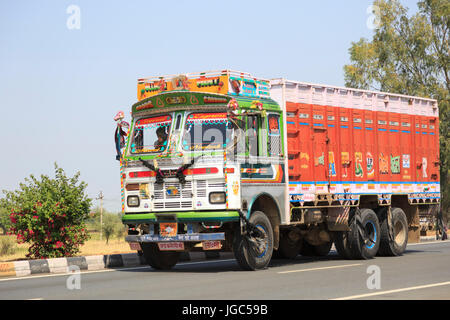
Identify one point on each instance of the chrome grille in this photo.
(184, 198)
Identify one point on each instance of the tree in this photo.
(49, 214)
(111, 224)
(122, 230)
(5, 222)
(409, 55)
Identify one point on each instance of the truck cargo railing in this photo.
(320, 94)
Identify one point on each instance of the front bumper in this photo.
(191, 237)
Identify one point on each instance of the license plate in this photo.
(135, 246)
(168, 229)
(212, 245)
(170, 246)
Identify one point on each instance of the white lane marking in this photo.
(428, 242)
(323, 268)
(106, 270)
(36, 299)
(53, 275)
(394, 291)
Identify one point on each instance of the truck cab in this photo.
(201, 154)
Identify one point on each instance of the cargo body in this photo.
(262, 167)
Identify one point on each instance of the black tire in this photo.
(364, 236)
(397, 245)
(321, 250)
(246, 251)
(342, 245)
(160, 260)
(288, 249)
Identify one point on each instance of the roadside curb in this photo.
(427, 238)
(98, 262)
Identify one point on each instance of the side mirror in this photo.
(120, 133)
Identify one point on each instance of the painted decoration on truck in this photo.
(424, 167)
(235, 188)
(331, 164)
(217, 84)
(320, 160)
(395, 164)
(406, 161)
(305, 163)
(259, 172)
(384, 164)
(345, 160)
(359, 172)
(180, 83)
(370, 166)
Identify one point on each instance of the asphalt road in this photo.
(423, 272)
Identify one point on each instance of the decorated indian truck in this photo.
(224, 161)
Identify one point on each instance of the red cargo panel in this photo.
(383, 147)
(319, 144)
(358, 145)
(345, 144)
(406, 148)
(433, 135)
(305, 134)
(334, 160)
(394, 142)
(371, 146)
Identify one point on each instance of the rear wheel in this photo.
(161, 260)
(253, 250)
(394, 241)
(363, 239)
(342, 245)
(364, 234)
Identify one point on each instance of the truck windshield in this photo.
(150, 135)
(206, 131)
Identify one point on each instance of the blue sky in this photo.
(60, 88)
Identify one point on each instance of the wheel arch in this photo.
(266, 203)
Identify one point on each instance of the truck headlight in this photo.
(133, 201)
(217, 197)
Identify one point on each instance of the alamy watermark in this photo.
(373, 21)
(374, 280)
(74, 20)
(73, 282)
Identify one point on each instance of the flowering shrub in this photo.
(50, 214)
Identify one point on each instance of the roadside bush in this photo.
(50, 214)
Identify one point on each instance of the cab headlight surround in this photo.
(217, 197)
(133, 201)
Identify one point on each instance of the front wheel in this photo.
(160, 260)
(253, 250)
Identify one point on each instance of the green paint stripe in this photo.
(185, 216)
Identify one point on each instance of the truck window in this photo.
(206, 131)
(151, 135)
(274, 132)
(253, 125)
